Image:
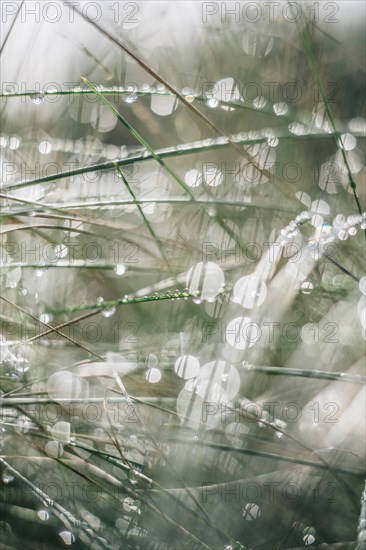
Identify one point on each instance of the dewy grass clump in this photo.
(183, 270)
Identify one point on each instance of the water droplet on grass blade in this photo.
(187, 366)
(193, 178)
(205, 279)
(7, 477)
(108, 312)
(306, 287)
(68, 538)
(152, 361)
(54, 449)
(120, 269)
(242, 333)
(21, 365)
(251, 511)
(44, 514)
(61, 432)
(133, 476)
(38, 98)
(250, 291)
(153, 375)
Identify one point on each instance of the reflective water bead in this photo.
(250, 291)
(61, 431)
(38, 98)
(205, 278)
(44, 514)
(251, 511)
(108, 312)
(120, 269)
(133, 476)
(54, 449)
(212, 102)
(7, 477)
(153, 375)
(187, 366)
(67, 537)
(61, 251)
(21, 365)
(306, 287)
(362, 285)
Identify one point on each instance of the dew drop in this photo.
(14, 143)
(212, 103)
(120, 269)
(21, 365)
(193, 178)
(38, 99)
(61, 432)
(131, 98)
(242, 333)
(46, 317)
(68, 538)
(273, 141)
(13, 277)
(251, 511)
(22, 425)
(187, 366)
(250, 291)
(348, 142)
(133, 477)
(44, 514)
(306, 287)
(205, 280)
(45, 147)
(280, 109)
(308, 540)
(54, 449)
(108, 312)
(259, 102)
(152, 361)
(130, 505)
(153, 375)
(61, 251)
(212, 176)
(362, 285)
(7, 477)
